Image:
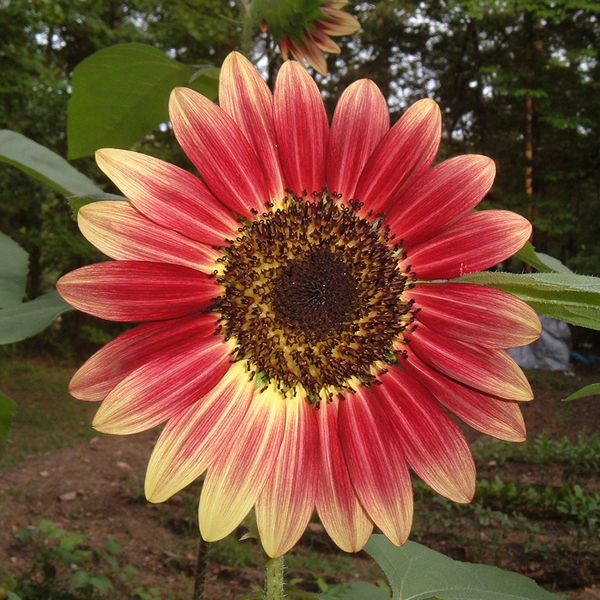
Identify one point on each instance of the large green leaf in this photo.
(7, 410)
(544, 263)
(43, 164)
(13, 272)
(28, 318)
(418, 573)
(565, 296)
(121, 93)
(355, 591)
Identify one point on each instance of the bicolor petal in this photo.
(192, 441)
(493, 416)
(287, 501)
(169, 196)
(360, 121)
(220, 151)
(440, 197)
(377, 466)
(479, 241)
(137, 291)
(162, 388)
(236, 478)
(302, 129)
(245, 96)
(489, 370)
(133, 349)
(123, 233)
(476, 314)
(340, 511)
(434, 446)
(406, 152)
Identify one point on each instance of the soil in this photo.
(96, 489)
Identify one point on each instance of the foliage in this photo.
(66, 568)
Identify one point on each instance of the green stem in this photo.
(274, 579)
(201, 571)
(247, 37)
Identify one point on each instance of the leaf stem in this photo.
(274, 579)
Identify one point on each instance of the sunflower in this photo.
(304, 28)
(301, 339)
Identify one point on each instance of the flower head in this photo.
(302, 342)
(303, 27)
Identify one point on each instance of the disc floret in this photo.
(313, 295)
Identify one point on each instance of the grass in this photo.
(47, 416)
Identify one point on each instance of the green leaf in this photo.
(418, 573)
(540, 261)
(589, 390)
(14, 264)
(355, 591)
(7, 410)
(121, 93)
(25, 320)
(43, 164)
(565, 296)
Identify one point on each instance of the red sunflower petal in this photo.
(236, 478)
(406, 152)
(377, 466)
(360, 121)
(478, 241)
(245, 96)
(168, 195)
(137, 291)
(165, 386)
(339, 23)
(476, 314)
(123, 233)
(501, 419)
(216, 145)
(340, 511)
(489, 370)
(286, 503)
(441, 197)
(302, 129)
(133, 349)
(434, 446)
(192, 441)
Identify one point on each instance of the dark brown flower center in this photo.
(312, 295)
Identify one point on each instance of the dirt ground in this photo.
(97, 489)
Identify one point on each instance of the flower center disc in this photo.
(312, 295)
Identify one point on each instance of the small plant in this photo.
(65, 568)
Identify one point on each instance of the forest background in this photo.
(517, 80)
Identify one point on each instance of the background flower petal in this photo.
(137, 291)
